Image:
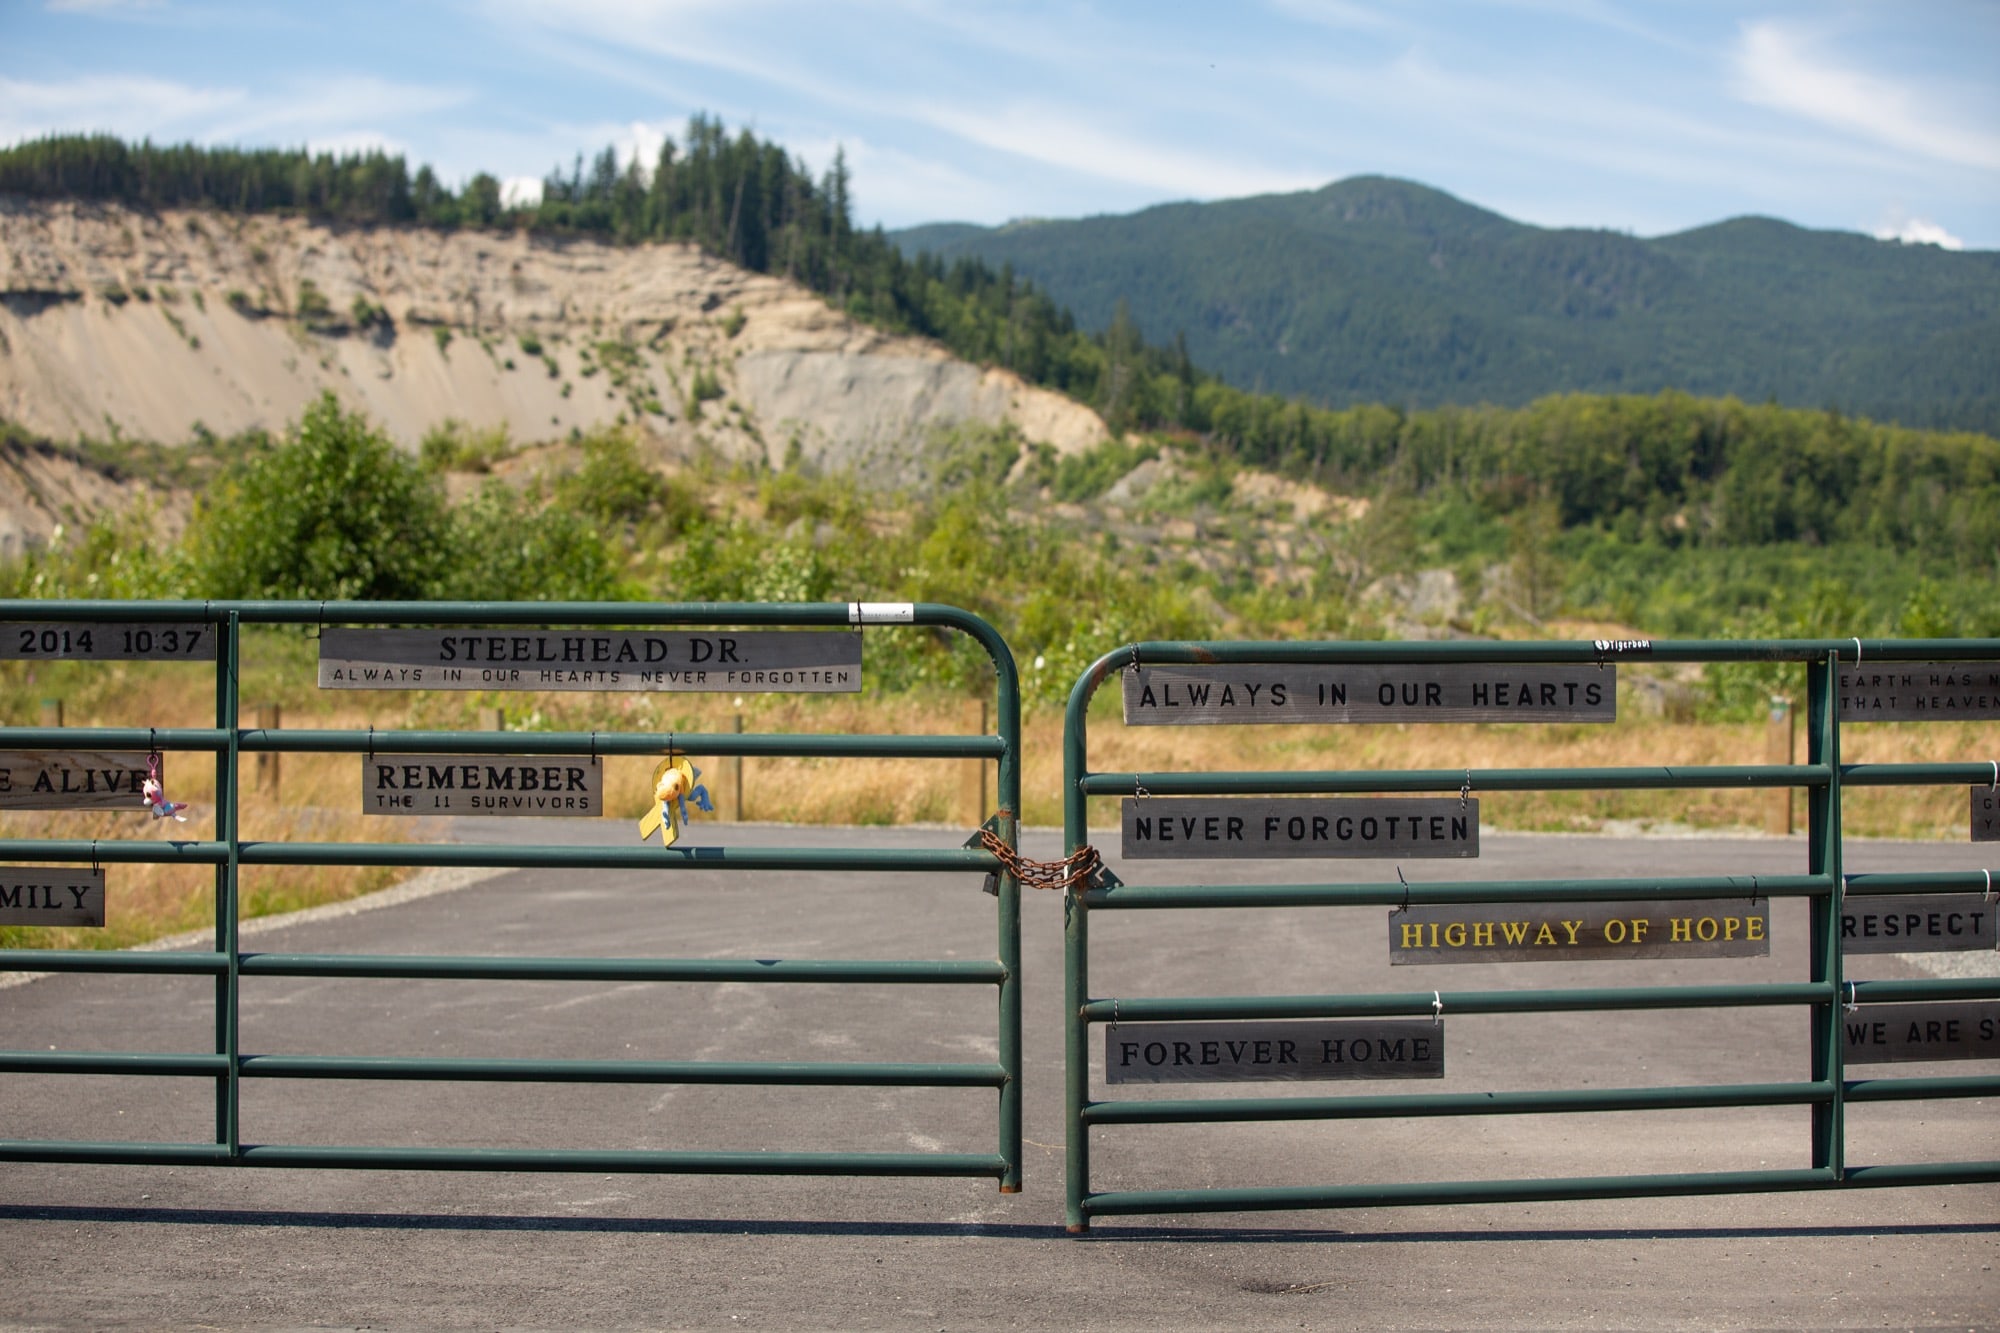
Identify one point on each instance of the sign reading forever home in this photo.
(1890, 1033)
(472, 784)
(51, 896)
(1417, 692)
(72, 780)
(748, 661)
(1159, 828)
(1920, 691)
(1934, 923)
(1289, 1051)
(1579, 932)
(107, 643)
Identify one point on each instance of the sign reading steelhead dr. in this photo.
(1287, 1051)
(72, 780)
(55, 641)
(1579, 932)
(1919, 691)
(1893, 1033)
(1931, 923)
(1415, 692)
(472, 784)
(51, 896)
(1159, 828)
(747, 661)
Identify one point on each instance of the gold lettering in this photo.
(1454, 934)
(1681, 929)
(1753, 928)
(1413, 935)
(1571, 927)
(1482, 935)
(1545, 935)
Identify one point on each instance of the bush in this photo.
(334, 511)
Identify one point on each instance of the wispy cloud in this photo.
(1778, 65)
(125, 104)
(1900, 226)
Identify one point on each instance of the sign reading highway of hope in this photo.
(471, 784)
(1579, 932)
(1414, 692)
(1158, 828)
(770, 661)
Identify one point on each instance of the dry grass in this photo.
(319, 794)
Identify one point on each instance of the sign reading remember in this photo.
(1414, 692)
(1159, 828)
(739, 661)
(472, 784)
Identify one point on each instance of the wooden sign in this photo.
(1579, 932)
(72, 780)
(1985, 814)
(107, 643)
(1931, 923)
(471, 784)
(740, 661)
(1272, 1052)
(51, 895)
(1416, 692)
(1160, 828)
(1919, 691)
(1897, 1033)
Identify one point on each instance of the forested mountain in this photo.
(1380, 290)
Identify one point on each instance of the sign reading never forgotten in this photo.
(1159, 828)
(745, 661)
(1416, 692)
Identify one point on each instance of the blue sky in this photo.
(1879, 116)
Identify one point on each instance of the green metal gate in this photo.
(233, 968)
(1823, 993)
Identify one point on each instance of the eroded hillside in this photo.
(115, 322)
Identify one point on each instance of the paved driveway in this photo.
(108, 1246)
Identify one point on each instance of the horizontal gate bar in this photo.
(143, 963)
(1920, 1089)
(509, 1159)
(1189, 1111)
(1129, 1202)
(1181, 1009)
(1398, 652)
(1927, 881)
(1294, 781)
(635, 615)
(498, 855)
(650, 744)
(1392, 894)
(412, 967)
(1915, 775)
(776, 1073)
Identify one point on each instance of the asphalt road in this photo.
(105, 1246)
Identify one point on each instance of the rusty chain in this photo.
(1074, 871)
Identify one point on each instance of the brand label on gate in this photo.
(1895, 1033)
(474, 784)
(1919, 691)
(1579, 932)
(1159, 828)
(51, 896)
(1289, 1051)
(72, 780)
(107, 643)
(1416, 692)
(1932, 923)
(741, 661)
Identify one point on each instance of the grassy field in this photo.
(318, 796)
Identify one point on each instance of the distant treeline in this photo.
(1667, 467)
